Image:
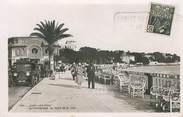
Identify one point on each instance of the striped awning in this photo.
(156, 69)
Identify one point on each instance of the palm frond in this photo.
(59, 27)
(64, 36)
(63, 30)
(51, 31)
(42, 23)
(37, 35)
(39, 30)
(40, 26)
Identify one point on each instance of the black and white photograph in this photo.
(93, 57)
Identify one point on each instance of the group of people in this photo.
(81, 71)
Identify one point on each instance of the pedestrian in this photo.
(62, 67)
(91, 75)
(80, 75)
(84, 70)
(73, 71)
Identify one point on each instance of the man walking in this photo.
(91, 75)
(73, 71)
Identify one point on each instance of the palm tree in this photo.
(51, 32)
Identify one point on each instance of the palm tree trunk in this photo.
(51, 62)
(51, 54)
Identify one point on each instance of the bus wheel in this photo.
(34, 80)
(163, 108)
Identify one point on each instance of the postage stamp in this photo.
(160, 18)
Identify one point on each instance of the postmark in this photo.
(160, 18)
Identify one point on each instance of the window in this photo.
(15, 40)
(156, 82)
(34, 51)
(159, 82)
(46, 51)
(20, 52)
(17, 52)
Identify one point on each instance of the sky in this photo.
(94, 25)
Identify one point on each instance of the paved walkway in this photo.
(62, 95)
(15, 94)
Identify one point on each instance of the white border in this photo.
(4, 60)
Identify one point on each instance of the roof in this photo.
(161, 69)
(26, 38)
(22, 37)
(12, 38)
(14, 46)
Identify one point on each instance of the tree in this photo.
(159, 57)
(145, 60)
(68, 55)
(51, 32)
(176, 58)
(88, 54)
(138, 57)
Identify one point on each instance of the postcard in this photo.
(91, 59)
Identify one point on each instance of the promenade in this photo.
(62, 95)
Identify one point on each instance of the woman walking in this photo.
(79, 77)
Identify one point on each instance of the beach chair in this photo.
(165, 100)
(155, 96)
(123, 82)
(106, 78)
(116, 81)
(137, 85)
(98, 75)
(175, 101)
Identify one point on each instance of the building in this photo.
(33, 48)
(127, 58)
(70, 44)
(153, 63)
(166, 55)
(151, 57)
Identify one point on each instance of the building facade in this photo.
(33, 48)
(127, 58)
(71, 44)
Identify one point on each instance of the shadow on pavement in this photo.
(65, 78)
(15, 94)
(137, 102)
(64, 85)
